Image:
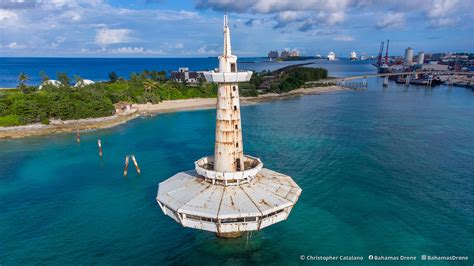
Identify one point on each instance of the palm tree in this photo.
(43, 76)
(148, 84)
(22, 79)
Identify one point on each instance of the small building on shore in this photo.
(122, 107)
(84, 82)
(49, 82)
(184, 75)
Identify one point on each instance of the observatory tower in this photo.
(228, 193)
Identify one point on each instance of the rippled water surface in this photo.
(383, 172)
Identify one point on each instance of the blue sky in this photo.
(166, 28)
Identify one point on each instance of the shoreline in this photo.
(58, 126)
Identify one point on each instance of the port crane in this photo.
(379, 58)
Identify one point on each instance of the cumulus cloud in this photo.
(131, 50)
(442, 13)
(204, 50)
(107, 36)
(65, 27)
(305, 15)
(7, 15)
(125, 50)
(391, 20)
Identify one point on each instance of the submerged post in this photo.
(78, 137)
(136, 164)
(125, 169)
(99, 144)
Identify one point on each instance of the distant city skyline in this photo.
(164, 28)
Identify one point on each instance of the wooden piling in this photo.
(125, 169)
(136, 164)
(78, 137)
(99, 144)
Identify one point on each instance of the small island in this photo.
(58, 105)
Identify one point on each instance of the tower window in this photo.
(237, 144)
(235, 107)
(236, 127)
(234, 88)
(233, 68)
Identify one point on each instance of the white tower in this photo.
(228, 151)
(409, 56)
(228, 193)
(353, 55)
(420, 59)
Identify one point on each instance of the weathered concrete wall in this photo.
(228, 151)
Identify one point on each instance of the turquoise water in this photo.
(383, 171)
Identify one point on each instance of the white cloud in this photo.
(15, 45)
(391, 20)
(44, 25)
(107, 36)
(125, 50)
(343, 38)
(131, 50)
(204, 50)
(7, 15)
(302, 12)
(310, 14)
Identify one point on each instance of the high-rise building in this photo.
(285, 54)
(331, 56)
(353, 55)
(273, 54)
(420, 58)
(408, 56)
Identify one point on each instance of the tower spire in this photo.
(227, 50)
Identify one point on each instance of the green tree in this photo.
(43, 76)
(64, 79)
(113, 77)
(148, 84)
(22, 79)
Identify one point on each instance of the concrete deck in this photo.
(191, 201)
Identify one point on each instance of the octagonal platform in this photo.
(194, 202)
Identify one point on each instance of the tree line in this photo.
(29, 104)
(61, 100)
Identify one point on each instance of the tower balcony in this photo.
(205, 168)
(228, 77)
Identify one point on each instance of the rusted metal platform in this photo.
(193, 202)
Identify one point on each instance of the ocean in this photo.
(384, 172)
(97, 69)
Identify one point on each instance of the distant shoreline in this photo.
(58, 126)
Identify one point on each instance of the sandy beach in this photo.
(137, 110)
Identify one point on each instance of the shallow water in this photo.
(383, 172)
